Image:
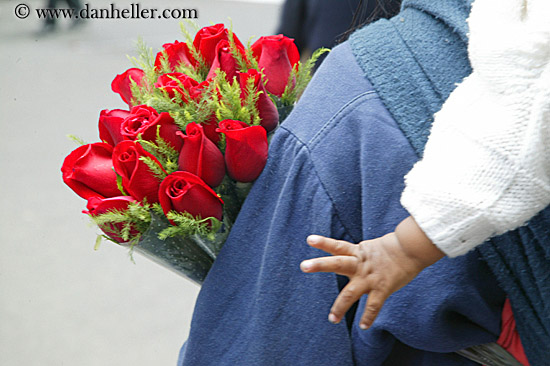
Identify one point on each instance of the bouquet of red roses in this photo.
(171, 172)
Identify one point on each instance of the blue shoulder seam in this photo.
(308, 150)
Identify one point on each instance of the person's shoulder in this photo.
(339, 77)
(338, 95)
(337, 83)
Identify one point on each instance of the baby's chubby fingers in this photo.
(347, 297)
(374, 303)
(332, 246)
(342, 265)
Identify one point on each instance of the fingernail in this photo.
(306, 265)
(363, 326)
(313, 239)
(332, 318)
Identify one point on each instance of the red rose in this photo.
(97, 206)
(201, 156)
(208, 38)
(137, 179)
(123, 86)
(177, 53)
(224, 61)
(210, 128)
(88, 170)
(268, 112)
(145, 120)
(109, 125)
(176, 82)
(276, 56)
(185, 192)
(196, 91)
(245, 150)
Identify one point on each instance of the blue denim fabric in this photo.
(335, 168)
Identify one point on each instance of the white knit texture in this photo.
(486, 166)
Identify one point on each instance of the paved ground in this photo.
(61, 303)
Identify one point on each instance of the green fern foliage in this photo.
(127, 224)
(300, 77)
(154, 167)
(184, 224)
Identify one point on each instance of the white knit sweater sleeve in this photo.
(486, 166)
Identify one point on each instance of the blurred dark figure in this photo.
(51, 21)
(324, 23)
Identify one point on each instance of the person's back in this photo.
(335, 168)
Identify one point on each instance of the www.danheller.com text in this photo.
(134, 11)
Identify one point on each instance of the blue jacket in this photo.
(336, 168)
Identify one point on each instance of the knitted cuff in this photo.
(450, 230)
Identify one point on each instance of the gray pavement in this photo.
(61, 302)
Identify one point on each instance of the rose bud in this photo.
(185, 192)
(210, 128)
(122, 84)
(276, 57)
(137, 179)
(224, 61)
(145, 120)
(208, 38)
(268, 112)
(245, 150)
(88, 171)
(196, 91)
(110, 125)
(173, 83)
(201, 156)
(97, 206)
(177, 53)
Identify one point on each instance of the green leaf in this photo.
(98, 242)
(157, 209)
(145, 60)
(119, 185)
(299, 77)
(153, 167)
(135, 220)
(201, 68)
(235, 52)
(250, 102)
(163, 151)
(164, 63)
(230, 105)
(184, 224)
(252, 62)
(76, 139)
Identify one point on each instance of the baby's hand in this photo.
(376, 267)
